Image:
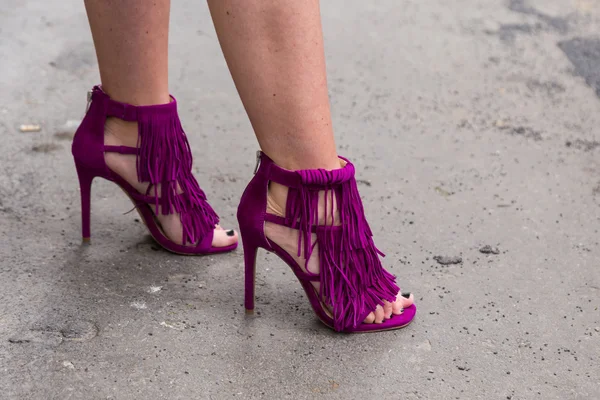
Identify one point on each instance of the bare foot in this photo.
(122, 133)
(287, 239)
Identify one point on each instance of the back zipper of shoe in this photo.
(257, 162)
(89, 100)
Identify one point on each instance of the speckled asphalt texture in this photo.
(472, 123)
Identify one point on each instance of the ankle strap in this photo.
(316, 178)
(129, 112)
(277, 174)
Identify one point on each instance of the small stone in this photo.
(72, 124)
(448, 260)
(30, 128)
(178, 326)
(68, 364)
(487, 249)
(442, 192)
(139, 305)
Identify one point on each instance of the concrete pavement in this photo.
(471, 123)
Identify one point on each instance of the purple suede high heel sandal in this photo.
(163, 158)
(352, 280)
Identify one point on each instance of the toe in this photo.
(223, 237)
(401, 303)
(387, 309)
(406, 301)
(370, 318)
(397, 307)
(379, 314)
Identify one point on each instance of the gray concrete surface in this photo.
(471, 122)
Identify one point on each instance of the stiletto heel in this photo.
(163, 159)
(352, 280)
(85, 189)
(250, 252)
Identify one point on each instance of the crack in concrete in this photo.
(584, 54)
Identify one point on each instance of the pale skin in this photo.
(274, 51)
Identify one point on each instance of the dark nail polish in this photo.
(230, 232)
(406, 295)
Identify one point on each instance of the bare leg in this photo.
(131, 40)
(274, 50)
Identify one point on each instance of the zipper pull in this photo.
(89, 100)
(257, 162)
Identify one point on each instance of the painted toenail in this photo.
(230, 232)
(406, 295)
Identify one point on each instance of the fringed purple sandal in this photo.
(163, 158)
(352, 279)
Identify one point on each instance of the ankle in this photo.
(292, 164)
(121, 132)
(299, 160)
(153, 93)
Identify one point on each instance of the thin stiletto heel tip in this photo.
(85, 240)
(249, 312)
